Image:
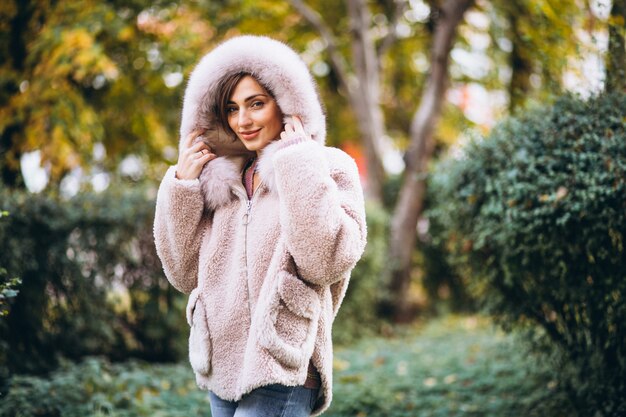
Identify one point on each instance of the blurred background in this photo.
(491, 141)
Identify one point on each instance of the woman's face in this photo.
(253, 114)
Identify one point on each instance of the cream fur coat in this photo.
(265, 278)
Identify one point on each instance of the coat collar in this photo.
(221, 179)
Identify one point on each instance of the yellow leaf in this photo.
(126, 34)
(430, 382)
(616, 21)
(340, 365)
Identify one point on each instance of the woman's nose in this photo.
(244, 118)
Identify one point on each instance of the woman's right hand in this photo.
(192, 157)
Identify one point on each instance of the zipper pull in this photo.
(247, 215)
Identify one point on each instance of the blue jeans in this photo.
(269, 401)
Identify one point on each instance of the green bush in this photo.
(535, 214)
(8, 284)
(91, 280)
(358, 315)
(445, 288)
(97, 388)
(453, 367)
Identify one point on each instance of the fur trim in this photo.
(266, 167)
(199, 339)
(218, 179)
(276, 66)
(221, 176)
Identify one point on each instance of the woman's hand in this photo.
(193, 157)
(294, 131)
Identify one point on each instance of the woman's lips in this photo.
(249, 134)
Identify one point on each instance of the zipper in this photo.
(246, 221)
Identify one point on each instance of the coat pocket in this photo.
(291, 325)
(199, 337)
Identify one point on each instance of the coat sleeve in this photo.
(321, 209)
(179, 224)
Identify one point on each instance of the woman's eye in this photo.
(231, 110)
(257, 104)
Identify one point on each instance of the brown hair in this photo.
(222, 94)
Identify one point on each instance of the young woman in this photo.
(261, 224)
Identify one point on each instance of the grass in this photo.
(452, 367)
(455, 366)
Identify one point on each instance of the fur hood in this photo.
(282, 71)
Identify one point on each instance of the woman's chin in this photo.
(255, 146)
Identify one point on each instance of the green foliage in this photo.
(97, 388)
(77, 73)
(7, 291)
(453, 367)
(445, 288)
(540, 40)
(91, 280)
(8, 285)
(535, 214)
(358, 315)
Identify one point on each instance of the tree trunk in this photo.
(12, 59)
(521, 65)
(616, 55)
(361, 87)
(365, 94)
(411, 199)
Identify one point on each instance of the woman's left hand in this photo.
(294, 130)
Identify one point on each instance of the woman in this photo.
(261, 224)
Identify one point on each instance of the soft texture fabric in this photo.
(266, 276)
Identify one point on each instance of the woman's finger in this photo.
(199, 154)
(205, 152)
(187, 140)
(197, 147)
(298, 127)
(204, 158)
(191, 136)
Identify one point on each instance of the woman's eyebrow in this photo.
(249, 98)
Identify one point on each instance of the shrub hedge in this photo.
(91, 281)
(535, 217)
(358, 316)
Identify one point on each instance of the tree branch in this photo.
(392, 36)
(336, 60)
